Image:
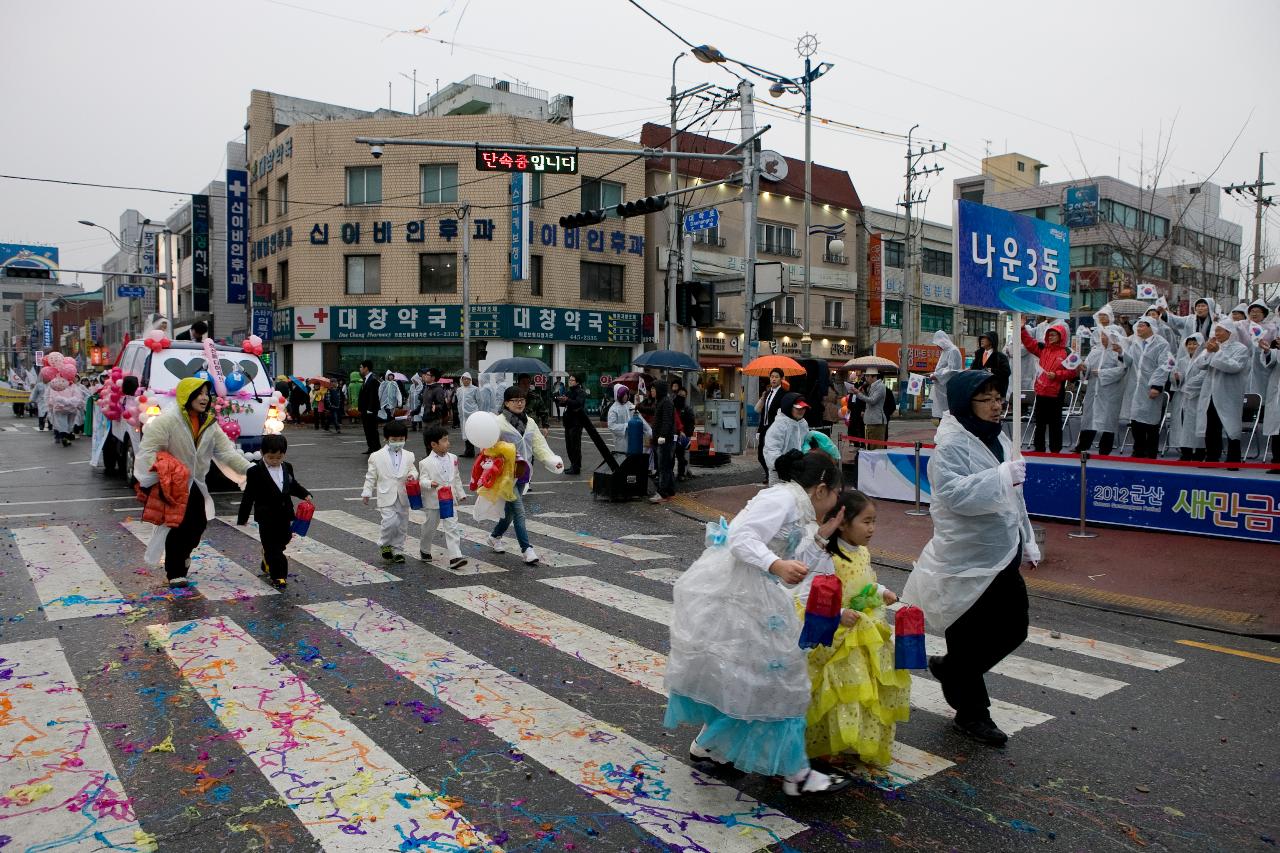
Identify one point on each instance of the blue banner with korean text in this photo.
(237, 236)
(1011, 262)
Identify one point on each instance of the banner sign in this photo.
(1080, 208)
(47, 337)
(1149, 497)
(148, 253)
(875, 279)
(1011, 262)
(200, 254)
(237, 236)
(262, 323)
(520, 186)
(437, 322)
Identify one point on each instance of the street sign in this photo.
(1011, 262)
(126, 291)
(701, 220)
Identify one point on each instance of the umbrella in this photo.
(766, 363)
(298, 382)
(865, 361)
(1127, 307)
(667, 359)
(399, 377)
(518, 364)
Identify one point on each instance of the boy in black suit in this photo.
(268, 491)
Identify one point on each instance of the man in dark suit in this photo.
(368, 404)
(990, 358)
(574, 401)
(767, 406)
(269, 490)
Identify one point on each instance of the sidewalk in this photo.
(1182, 579)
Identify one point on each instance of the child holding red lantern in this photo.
(858, 697)
(268, 493)
(442, 490)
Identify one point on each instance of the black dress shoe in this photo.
(936, 664)
(573, 472)
(983, 731)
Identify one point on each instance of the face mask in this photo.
(395, 445)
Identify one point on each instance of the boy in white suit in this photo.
(441, 485)
(389, 469)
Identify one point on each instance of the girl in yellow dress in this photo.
(858, 698)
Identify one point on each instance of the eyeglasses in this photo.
(997, 399)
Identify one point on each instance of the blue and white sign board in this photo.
(126, 291)
(701, 220)
(520, 188)
(1011, 262)
(47, 337)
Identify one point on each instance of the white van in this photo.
(160, 372)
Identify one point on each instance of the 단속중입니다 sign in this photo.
(1012, 262)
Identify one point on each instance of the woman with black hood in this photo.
(967, 579)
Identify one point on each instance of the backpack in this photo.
(890, 403)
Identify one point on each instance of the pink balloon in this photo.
(117, 374)
(53, 358)
(68, 369)
(47, 373)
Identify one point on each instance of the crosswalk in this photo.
(347, 785)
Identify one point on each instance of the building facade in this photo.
(29, 319)
(364, 256)
(140, 250)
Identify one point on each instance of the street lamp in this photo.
(119, 245)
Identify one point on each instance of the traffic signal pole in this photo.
(750, 179)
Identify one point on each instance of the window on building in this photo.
(282, 279)
(282, 196)
(1092, 300)
(936, 262)
(535, 275)
(784, 310)
(973, 195)
(264, 214)
(935, 317)
(892, 314)
(440, 183)
(600, 282)
(1133, 218)
(707, 237)
(1022, 167)
(184, 245)
(597, 193)
(894, 253)
(437, 272)
(364, 274)
(833, 313)
(535, 189)
(775, 239)
(364, 185)
(979, 322)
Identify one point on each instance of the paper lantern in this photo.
(821, 612)
(908, 646)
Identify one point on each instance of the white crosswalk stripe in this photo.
(546, 557)
(348, 793)
(68, 581)
(660, 575)
(60, 788)
(1140, 658)
(617, 549)
(629, 661)
(216, 576)
(368, 530)
(680, 807)
(337, 566)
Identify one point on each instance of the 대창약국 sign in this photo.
(1011, 262)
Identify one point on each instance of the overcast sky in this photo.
(147, 94)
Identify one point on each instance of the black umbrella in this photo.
(518, 364)
(667, 359)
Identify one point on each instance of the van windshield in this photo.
(166, 368)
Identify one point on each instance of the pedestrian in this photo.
(831, 405)
(1106, 371)
(390, 398)
(574, 403)
(269, 490)
(875, 421)
(1050, 383)
(435, 400)
(558, 392)
(858, 697)
(1269, 358)
(767, 409)
(686, 420)
(520, 430)
(1188, 382)
(949, 364)
(1150, 364)
(335, 403)
(789, 431)
(318, 393)
(620, 416)
(190, 434)
(299, 400)
(664, 436)
(39, 398)
(414, 401)
(384, 480)
(442, 490)
(991, 359)
(736, 668)
(368, 405)
(855, 409)
(535, 403)
(1220, 407)
(469, 402)
(966, 579)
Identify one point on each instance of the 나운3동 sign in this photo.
(1011, 262)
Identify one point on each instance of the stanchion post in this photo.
(917, 511)
(1083, 533)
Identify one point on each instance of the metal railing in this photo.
(835, 259)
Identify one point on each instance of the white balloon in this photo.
(482, 430)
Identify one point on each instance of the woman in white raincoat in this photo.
(736, 667)
(1204, 311)
(191, 434)
(788, 431)
(1104, 371)
(1150, 363)
(389, 397)
(468, 401)
(949, 364)
(1188, 380)
(1269, 358)
(620, 415)
(1222, 398)
(967, 579)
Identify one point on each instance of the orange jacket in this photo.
(165, 503)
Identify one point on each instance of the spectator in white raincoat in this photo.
(1150, 362)
(1203, 313)
(967, 579)
(788, 431)
(1188, 380)
(389, 397)
(949, 364)
(620, 415)
(469, 399)
(1269, 358)
(1222, 398)
(1105, 369)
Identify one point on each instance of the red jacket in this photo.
(165, 503)
(1053, 374)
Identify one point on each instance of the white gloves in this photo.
(662, 440)
(1015, 470)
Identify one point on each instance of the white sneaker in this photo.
(530, 556)
(496, 544)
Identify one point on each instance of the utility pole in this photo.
(466, 288)
(911, 295)
(673, 221)
(1261, 202)
(750, 177)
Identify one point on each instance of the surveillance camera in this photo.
(376, 151)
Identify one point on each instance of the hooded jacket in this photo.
(1191, 324)
(1150, 363)
(1188, 379)
(950, 362)
(1106, 385)
(467, 397)
(1052, 374)
(1224, 386)
(785, 433)
(994, 362)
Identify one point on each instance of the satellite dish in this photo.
(773, 166)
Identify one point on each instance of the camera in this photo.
(376, 151)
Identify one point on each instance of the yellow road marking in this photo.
(1227, 651)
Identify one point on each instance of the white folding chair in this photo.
(1252, 411)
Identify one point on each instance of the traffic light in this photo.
(764, 326)
(582, 218)
(27, 272)
(652, 204)
(702, 303)
(684, 304)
